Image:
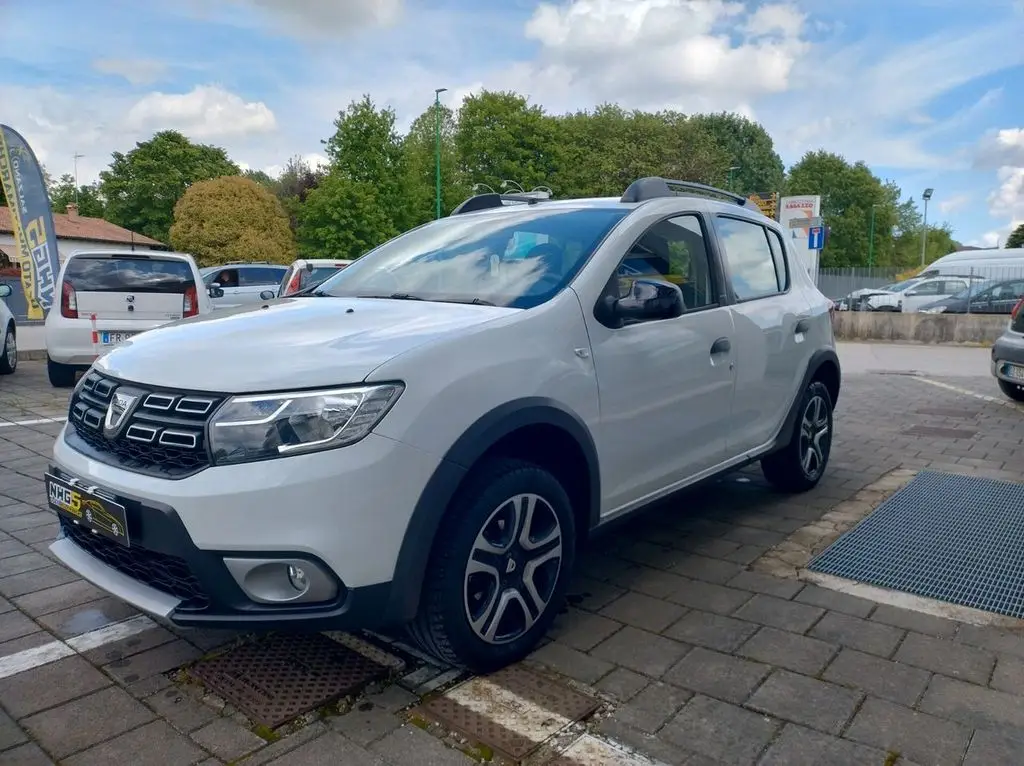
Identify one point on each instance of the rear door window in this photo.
(102, 274)
(259, 275)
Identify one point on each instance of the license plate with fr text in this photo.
(88, 510)
(114, 338)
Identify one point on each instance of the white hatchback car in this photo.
(428, 437)
(8, 334)
(307, 272)
(109, 297)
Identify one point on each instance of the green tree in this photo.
(749, 146)
(142, 187)
(296, 181)
(848, 193)
(420, 166)
(602, 152)
(231, 219)
(1016, 238)
(367, 148)
(502, 137)
(342, 218)
(262, 178)
(62, 194)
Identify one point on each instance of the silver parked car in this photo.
(240, 284)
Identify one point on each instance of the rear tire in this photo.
(60, 375)
(1012, 390)
(799, 466)
(488, 598)
(9, 351)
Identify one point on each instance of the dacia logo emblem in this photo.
(120, 407)
(130, 298)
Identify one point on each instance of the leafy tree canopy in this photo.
(342, 218)
(62, 194)
(142, 187)
(231, 219)
(1016, 238)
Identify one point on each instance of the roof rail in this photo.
(655, 187)
(495, 200)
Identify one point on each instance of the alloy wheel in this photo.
(815, 436)
(11, 347)
(513, 569)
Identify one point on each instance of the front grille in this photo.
(163, 432)
(168, 574)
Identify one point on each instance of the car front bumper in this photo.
(1007, 352)
(210, 550)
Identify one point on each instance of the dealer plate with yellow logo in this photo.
(87, 510)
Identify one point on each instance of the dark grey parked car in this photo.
(1008, 356)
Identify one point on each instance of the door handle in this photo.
(720, 346)
(803, 324)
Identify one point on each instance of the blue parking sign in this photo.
(816, 238)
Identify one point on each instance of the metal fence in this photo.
(838, 283)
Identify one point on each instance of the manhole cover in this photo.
(948, 412)
(958, 539)
(940, 433)
(513, 711)
(274, 680)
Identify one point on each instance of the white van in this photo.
(109, 296)
(992, 263)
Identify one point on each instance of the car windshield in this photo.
(517, 257)
(899, 287)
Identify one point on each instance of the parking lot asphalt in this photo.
(699, 656)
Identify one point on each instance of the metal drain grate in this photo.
(276, 679)
(958, 539)
(940, 433)
(513, 712)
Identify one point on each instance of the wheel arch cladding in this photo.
(824, 367)
(535, 429)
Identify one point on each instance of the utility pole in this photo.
(871, 238)
(77, 157)
(924, 229)
(732, 170)
(437, 149)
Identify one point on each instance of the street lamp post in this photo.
(437, 149)
(732, 170)
(924, 229)
(871, 238)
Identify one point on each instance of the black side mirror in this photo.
(643, 300)
(215, 290)
(267, 295)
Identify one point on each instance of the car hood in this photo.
(288, 343)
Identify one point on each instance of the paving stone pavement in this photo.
(706, 661)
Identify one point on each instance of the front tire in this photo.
(499, 569)
(799, 466)
(1012, 390)
(9, 351)
(60, 375)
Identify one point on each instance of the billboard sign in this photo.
(798, 215)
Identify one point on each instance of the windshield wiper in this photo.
(395, 296)
(471, 301)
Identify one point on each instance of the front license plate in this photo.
(87, 510)
(113, 338)
(1013, 371)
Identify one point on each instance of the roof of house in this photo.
(76, 226)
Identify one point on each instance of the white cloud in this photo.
(307, 19)
(1001, 148)
(205, 112)
(1007, 201)
(135, 71)
(954, 204)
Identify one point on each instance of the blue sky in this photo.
(928, 92)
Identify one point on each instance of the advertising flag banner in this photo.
(31, 220)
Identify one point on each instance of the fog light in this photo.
(297, 577)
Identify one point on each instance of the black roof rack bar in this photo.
(490, 201)
(655, 187)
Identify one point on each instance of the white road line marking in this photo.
(592, 751)
(968, 392)
(36, 422)
(108, 634)
(29, 659)
(507, 709)
(436, 683)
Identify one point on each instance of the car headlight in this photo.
(257, 427)
(934, 310)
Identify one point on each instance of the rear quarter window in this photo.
(104, 274)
